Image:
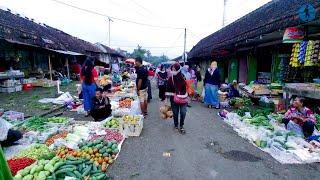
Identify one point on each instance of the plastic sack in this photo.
(63, 98)
(135, 108)
(4, 128)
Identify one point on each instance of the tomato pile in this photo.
(19, 163)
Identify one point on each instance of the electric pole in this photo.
(110, 20)
(184, 47)
(224, 13)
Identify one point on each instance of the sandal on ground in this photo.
(182, 131)
(87, 114)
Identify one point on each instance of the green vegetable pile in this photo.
(241, 111)
(35, 152)
(259, 121)
(261, 112)
(318, 121)
(34, 124)
(39, 170)
(244, 101)
(254, 112)
(78, 168)
(113, 123)
(58, 119)
(277, 117)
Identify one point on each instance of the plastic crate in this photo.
(18, 88)
(131, 130)
(8, 83)
(8, 89)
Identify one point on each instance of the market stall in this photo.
(61, 147)
(266, 131)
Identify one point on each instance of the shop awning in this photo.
(20, 43)
(67, 52)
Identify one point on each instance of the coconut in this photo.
(163, 116)
(170, 114)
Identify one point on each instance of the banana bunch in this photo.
(294, 56)
(309, 51)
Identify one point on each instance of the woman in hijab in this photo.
(177, 85)
(211, 84)
(162, 81)
(88, 78)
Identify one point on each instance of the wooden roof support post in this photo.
(68, 71)
(50, 67)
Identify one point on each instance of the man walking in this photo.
(142, 85)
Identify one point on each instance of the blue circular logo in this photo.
(307, 13)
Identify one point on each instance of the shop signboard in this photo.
(293, 35)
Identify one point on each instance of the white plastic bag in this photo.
(4, 128)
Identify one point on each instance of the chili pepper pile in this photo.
(19, 163)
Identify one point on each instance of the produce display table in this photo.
(67, 148)
(269, 134)
(307, 90)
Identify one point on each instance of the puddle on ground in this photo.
(240, 156)
(233, 155)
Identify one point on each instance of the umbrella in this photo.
(130, 61)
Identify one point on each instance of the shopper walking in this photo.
(199, 77)
(177, 93)
(211, 84)
(189, 82)
(150, 77)
(142, 85)
(162, 81)
(88, 78)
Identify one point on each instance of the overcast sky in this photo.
(200, 17)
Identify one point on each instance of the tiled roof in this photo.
(273, 16)
(16, 28)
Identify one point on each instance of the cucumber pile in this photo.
(78, 168)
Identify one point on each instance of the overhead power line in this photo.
(142, 7)
(115, 18)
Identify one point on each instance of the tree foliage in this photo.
(147, 56)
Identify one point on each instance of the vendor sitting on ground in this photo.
(8, 136)
(233, 92)
(299, 118)
(101, 106)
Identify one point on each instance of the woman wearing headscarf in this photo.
(189, 82)
(211, 84)
(162, 76)
(88, 78)
(177, 86)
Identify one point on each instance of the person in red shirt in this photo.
(76, 68)
(88, 77)
(150, 77)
